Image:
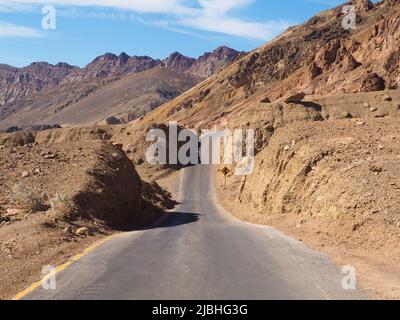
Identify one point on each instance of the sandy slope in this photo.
(106, 195)
(333, 184)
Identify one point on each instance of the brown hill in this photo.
(318, 58)
(211, 62)
(110, 65)
(18, 83)
(206, 65)
(178, 62)
(125, 99)
(30, 95)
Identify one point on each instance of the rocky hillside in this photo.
(206, 65)
(118, 102)
(316, 58)
(18, 83)
(42, 90)
(333, 185)
(178, 62)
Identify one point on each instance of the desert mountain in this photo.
(120, 101)
(110, 65)
(39, 91)
(18, 83)
(308, 61)
(206, 65)
(178, 62)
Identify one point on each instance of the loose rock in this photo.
(387, 98)
(25, 174)
(14, 212)
(373, 109)
(82, 231)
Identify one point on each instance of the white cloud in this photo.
(236, 27)
(218, 7)
(12, 30)
(207, 15)
(214, 17)
(143, 6)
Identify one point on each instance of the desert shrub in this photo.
(62, 207)
(31, 199)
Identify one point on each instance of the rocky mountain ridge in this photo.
(17, 83)
(44, 92)
(317, 58)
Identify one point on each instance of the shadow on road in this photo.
(175, 219)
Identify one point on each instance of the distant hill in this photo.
(42, 91)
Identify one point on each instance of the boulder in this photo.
(294, 98)
(84, 231)
(25, 174)
(112, 121)
(13, 129)
(373, 82)
(266, 100)
(387, 98)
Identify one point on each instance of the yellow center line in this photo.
(64, 266)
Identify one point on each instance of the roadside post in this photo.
(225, 171)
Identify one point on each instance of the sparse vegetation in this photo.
(62, 207)
(31, 199)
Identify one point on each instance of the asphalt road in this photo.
(201, 252)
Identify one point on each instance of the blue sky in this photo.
(88, 28)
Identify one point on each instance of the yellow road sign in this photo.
(225, 171)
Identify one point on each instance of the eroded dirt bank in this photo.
(334, 185)
(58, 198)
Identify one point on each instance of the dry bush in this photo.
(31, 199)
(62, 207)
